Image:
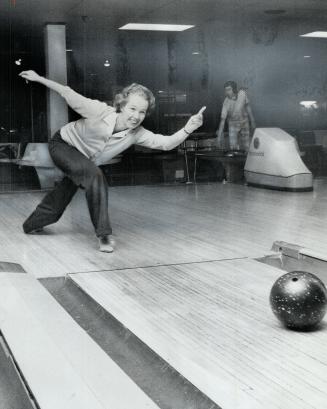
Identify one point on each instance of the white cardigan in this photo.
(93, 134)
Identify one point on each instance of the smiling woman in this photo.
(79, 147)
(134, 103)
(122, 98)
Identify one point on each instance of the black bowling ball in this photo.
(299, 300)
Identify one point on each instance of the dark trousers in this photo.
(79, 172)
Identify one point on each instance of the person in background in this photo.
(80, 147)
(238, 113)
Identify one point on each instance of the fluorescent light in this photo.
(307, 56)
(155, 27)
(316, 34)
(309, 104)
(195, 53)
(275, 11)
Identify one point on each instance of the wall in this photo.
(266, 56)
(16, 97)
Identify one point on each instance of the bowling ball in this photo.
(299, 300)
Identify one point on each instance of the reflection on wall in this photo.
(278, 68)
(268, 58)
(203, 58)
(172, 58)
(284, 74)
(23, 106)
(123, 68)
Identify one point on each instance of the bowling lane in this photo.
(212, 322)
(156, 225)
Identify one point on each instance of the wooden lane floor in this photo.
(212, 322)
(156, 225)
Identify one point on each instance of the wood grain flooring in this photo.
(157, 225)
(63, 367)
(212, 322)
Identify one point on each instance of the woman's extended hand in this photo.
(195, 121)
(30, 75)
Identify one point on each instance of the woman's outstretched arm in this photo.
(165, 142)
(31, 75)
(86, 107)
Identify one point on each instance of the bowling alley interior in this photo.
(163, 204)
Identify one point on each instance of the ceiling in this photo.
(31, 13)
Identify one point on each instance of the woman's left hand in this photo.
(195, 121)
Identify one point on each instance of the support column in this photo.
(56, 70)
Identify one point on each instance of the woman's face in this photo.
(133, 113)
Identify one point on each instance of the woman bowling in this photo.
(79, 147)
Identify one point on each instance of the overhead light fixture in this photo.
(195, 53)
(69, 50)
(315, 34)
(107, 63)
(275, 12)
(307, 56)
(309, 104)
(155, 27)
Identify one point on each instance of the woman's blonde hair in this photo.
(134, 89)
